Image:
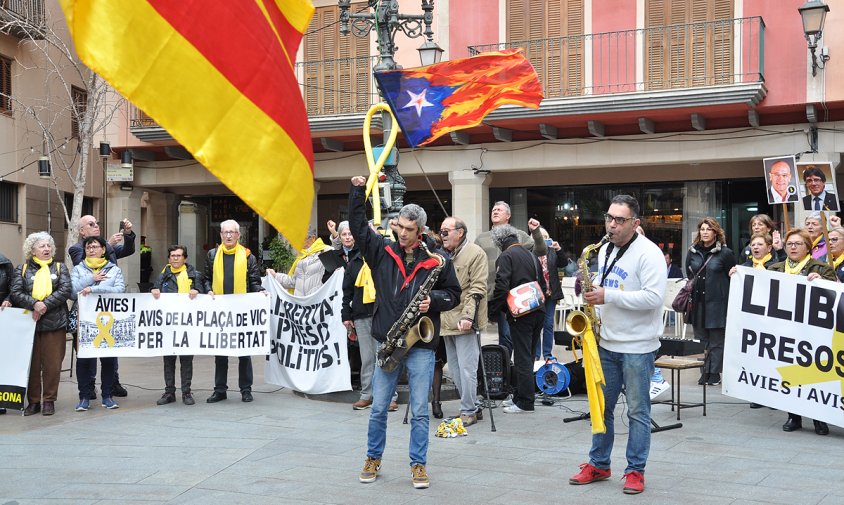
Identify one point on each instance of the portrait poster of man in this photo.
(781, 179)
(818, 191)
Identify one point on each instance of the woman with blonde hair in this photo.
(43, 286)
(710, 261)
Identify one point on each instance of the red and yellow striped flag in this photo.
(219, 77)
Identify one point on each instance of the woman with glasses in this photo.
(710, 260)
(95, 274)
(762, 223)
(800, 262)
(178, 277)
(43, 286)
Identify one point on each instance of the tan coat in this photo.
(471, 266)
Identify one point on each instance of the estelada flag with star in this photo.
(430, 101)
(218, 76)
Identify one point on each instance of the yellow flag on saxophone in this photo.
(594, 380)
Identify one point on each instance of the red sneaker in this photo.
(635, 482)
(589, 474)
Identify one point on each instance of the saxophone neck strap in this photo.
(621, 251)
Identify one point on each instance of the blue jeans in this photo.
(504, 337)
(420, 373)
(633, 373)
(545, 346)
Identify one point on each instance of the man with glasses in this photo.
(232, 269)
(780, 187)
(500, 215)
(628, 295)
(119, 245)
(817, 197)
(178, 277)
(461, 346)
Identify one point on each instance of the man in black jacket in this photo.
(399, 269)
(178, 277)
(232, 268)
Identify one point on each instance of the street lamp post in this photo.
(384, 18)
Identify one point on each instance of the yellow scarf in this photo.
(182, 280)
(761, 263)
(42, 284)
(95, 264)
(317, 247)
(799, 267)
(837, 261)
(239, 269)
(364, 280)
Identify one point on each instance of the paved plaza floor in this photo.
(284, 448)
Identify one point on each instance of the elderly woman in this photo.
(95, 274)
(800, 262)
(516, 266)
(815, 231)
(710, 260)
(305, 275)
(836, 249)
(761, 253)
(43, 286)
(762, 223)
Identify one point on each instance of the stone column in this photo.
(470, 200)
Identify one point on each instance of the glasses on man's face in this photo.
(618, 219)
(445, 231)
(795, 244)
(94, 224)
(813, 180)
(229, 233)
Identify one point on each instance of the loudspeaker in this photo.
(497, 363)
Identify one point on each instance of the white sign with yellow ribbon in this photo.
(785, 343)
(15, 354)
(136, 324)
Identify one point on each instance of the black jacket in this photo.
(514, 267)
(113, 253)
(393, 297)
(253, 273)
(712, 286)
(56, 316)
(555, 261)
(7, 270)
(167, 283)
(353, 306)
(830, 202)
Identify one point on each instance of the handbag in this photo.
(684, 301)
(525, 298)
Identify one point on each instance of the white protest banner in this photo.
(308, 339)
(15, 355)
(784, 344)
(136, 324)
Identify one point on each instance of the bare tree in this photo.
(74, 106)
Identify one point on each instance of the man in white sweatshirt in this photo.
(630, 286)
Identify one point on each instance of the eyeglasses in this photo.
(229, 233)
(812, 180)
(618, 219)
(93, 247)
(834, 239)
(445, 231)
(93, 224)
(794, 244)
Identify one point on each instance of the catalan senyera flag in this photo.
(430, 101)
(218, 76)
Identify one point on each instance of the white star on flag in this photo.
(418, 101)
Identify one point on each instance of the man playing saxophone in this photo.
(399, 270)
(628, 293)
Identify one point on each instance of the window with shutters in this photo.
(5, 85)
(336, 69)
(551, 33)
(8, 202)
(80, 103)
(688, 43)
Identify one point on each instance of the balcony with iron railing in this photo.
(23, 19)
(729, 51)
(711, 62)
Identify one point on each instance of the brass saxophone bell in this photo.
(576, 323)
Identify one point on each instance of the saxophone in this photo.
(578, 321)
(410, 328)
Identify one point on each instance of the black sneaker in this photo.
(704, 379)
(714, 379)
(166, 398)
(119, 391)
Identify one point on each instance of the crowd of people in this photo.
(459, 286)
